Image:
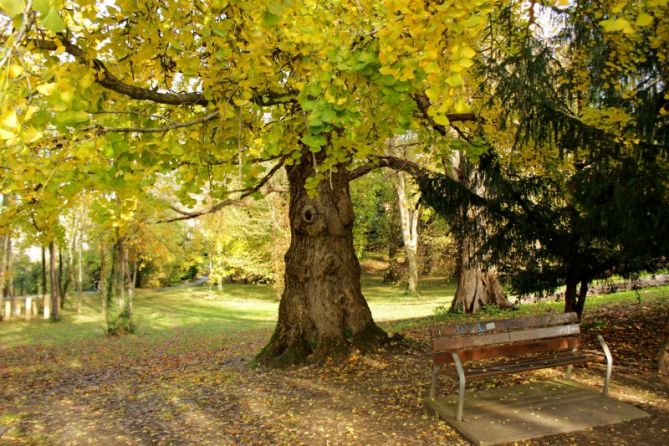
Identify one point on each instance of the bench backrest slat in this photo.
(461, 342)
(510, 350)
(487, 327)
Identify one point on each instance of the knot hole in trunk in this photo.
(309, 214)
(332, 262)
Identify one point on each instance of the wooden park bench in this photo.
(551, 341)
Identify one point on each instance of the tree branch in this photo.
(177, 125)
(390, 162)
(108, 80)
(423, 103)
(189, 215)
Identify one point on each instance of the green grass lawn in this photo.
(203, 310)
(239, 308)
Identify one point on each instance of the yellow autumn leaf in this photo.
(467, 52)
(644, 19)
(47, 89)
(614, 25)
(6, 135)
(461, 106)
(15, 71)
(30, 112)
(442, 120)
(31, 135)
(9, 120)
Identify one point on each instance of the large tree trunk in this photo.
(55, 296)
(322, 311)
(409, 221)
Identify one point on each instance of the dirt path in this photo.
(184, 390)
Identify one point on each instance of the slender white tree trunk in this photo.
(6, 308)
(46, 302)
(409, 214)
(80, 271)
(55, 296)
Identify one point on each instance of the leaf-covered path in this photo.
(186, 388)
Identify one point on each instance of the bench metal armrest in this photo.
(609, 363)
(462, 382)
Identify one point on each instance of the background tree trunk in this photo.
(5, 312)
(409, 223)
(61, 282)
(476, 287)
(663, 362)
(55, 296)
(322, 311)
(575, 301)
(80, 271)
(46, 303)
(9, 280)
(395, 270)
(117, 309)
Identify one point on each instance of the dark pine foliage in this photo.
(609, 212)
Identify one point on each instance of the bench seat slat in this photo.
(461, 342)
(496, 326)
(510, 350)
(480, 371)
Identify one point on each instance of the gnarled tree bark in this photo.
(322, 311)
(476, 287)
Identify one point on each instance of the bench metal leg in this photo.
(609, 363)
(461, 389)
(570, 367)
(435, 378)
(567, 375)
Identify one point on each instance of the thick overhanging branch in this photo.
(391, 162)
(241, 200)
(106, 79)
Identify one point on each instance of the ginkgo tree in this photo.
(217, 93)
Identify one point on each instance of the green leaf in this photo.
(13, 7)
(53, 22)
(314, 142)
(270, 19)
(176, 149)
(43, 6)
(72, 117)
(314, 121)
(328, 115)
(108, 151)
